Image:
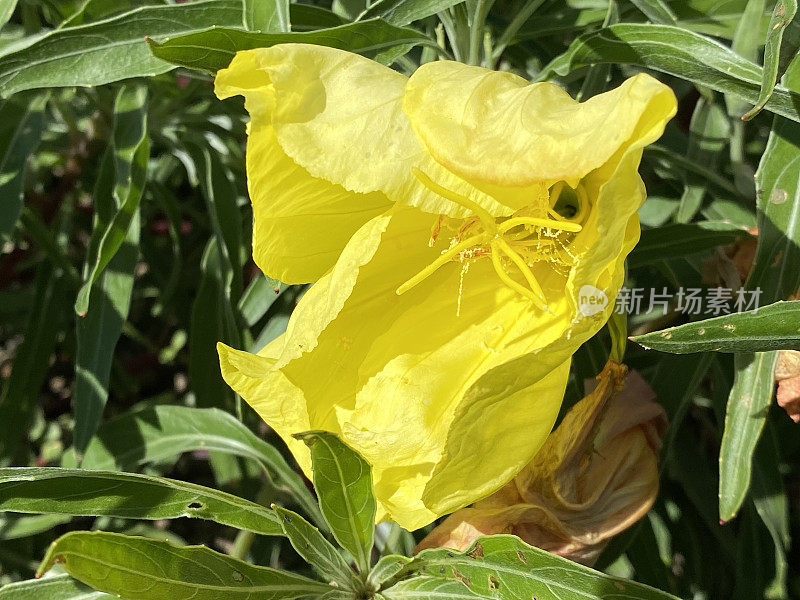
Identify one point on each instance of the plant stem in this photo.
(476, 30)
(513, 27)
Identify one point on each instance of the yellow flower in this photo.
(449, 221)
(595, 476)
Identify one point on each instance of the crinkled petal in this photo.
(496, 127)
(339, 116)
(300, 222)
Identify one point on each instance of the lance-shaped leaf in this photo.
(78, 492)
(426, 588)
(315, 549)
(782, 16)
(748, 405)
(57, 587)
(162, 433)
(776, 275)
(403, 12)
(677, 52)
(144, 569)
(22, 120)
(343, 481)
(266, 15)
(682, 239)
(111, 259)
(213, 49)
(772, 327)
(506, 568)
(108, 50)
(387, 567)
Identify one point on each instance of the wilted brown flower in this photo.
(596, 475)
(787, 374)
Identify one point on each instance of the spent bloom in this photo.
(595, 476)
(448, 221)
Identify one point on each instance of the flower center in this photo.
(520, 240)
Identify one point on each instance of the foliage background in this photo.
(146, 171)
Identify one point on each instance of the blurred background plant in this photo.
(125, 230)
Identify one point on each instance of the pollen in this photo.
(514, 244)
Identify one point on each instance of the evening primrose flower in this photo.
(449, 222)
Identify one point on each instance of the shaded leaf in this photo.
(22, 121)
(682, 239)
(403, 12)
(213, 49)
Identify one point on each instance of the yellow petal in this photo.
(497, 128)
(339, 116)
(300, 222)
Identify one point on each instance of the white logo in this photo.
(591, 300)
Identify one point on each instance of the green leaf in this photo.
(682, 239)
(14, 527)
(771, 501)
(772, 327)
(505, 567)
(776, 273)
(259, 297)
(709, 133)
(145, 569)
(18, 400)
(387, 567)
(76, 492)
(677, 52)
(219, 193)
(403, 12)
(22, 121)
(162, 433)
(782, 16)
(748, 405)
(58, 587)
(316, 550)
(212, 320)
(425, 588)
(657, 11)
(7, 8)
(268, 16)
(108, 50)
(213, 49)
(343, 481)
(131, 149)
(111, 261)
(776, 267)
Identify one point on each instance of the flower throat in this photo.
(521, 239)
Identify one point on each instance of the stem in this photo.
(513, 27)
(476, 30)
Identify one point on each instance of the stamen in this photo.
(526, 272)
(487, 220)
(442, 259)
(550, 223)
(501, 273)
